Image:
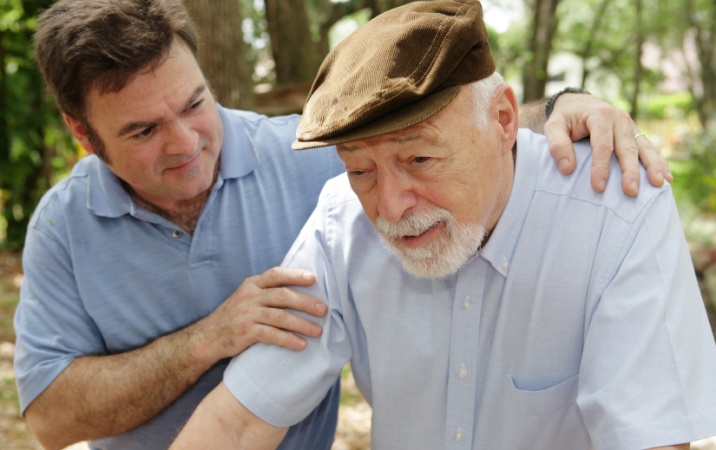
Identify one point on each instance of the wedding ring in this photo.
(638, 135)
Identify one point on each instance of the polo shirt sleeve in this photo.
(651, 315)
(283, 386)
(52, 326)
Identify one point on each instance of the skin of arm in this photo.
(230, 425)
(146, 380)
(610, 130)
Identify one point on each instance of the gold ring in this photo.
(638, 135)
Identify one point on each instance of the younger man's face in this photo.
(161, 133)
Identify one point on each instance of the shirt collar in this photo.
(106, 196)
(499, 249)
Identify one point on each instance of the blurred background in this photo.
(654, 58)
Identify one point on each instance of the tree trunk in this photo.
(705, 30)
(295, 53)
(223, 54)
(544, 26)
(638, 67)
(586, 53)
(4, 132)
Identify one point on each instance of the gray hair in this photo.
(482, 92)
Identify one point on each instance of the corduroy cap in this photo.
(399, 69)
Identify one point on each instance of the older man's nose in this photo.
(395, 196)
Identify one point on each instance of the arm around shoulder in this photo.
(230, 425)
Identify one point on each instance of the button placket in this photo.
(463, 355)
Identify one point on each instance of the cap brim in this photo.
(396, 120)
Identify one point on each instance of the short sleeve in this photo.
(51, 323)
(282, 386)
(652, 316)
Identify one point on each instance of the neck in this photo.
(185, 213)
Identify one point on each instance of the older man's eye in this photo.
(421, 159)
(196, 105)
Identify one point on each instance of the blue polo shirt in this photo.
(104, 276)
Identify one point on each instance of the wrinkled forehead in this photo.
(409, 134)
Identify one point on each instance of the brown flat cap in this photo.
(399, 69)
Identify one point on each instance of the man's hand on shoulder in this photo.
(258, 312)
(610, 130)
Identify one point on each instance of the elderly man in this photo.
(130, 308)
(483, 299)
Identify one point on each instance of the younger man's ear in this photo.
(79, 131)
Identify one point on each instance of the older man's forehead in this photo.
(424, 131)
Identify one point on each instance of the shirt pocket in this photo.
(544, 402)
(544, 419)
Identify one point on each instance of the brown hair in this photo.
(85, 44)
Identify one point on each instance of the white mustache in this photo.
(414, 224)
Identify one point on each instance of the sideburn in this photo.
(97, 143)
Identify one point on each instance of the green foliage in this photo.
(509, 48)
(34, 147)
(695, 180)
(662, 106)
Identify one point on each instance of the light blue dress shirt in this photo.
(105, 276)
(579, 324)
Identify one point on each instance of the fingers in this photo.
(560, 144)
(602, 149)
(262, 309)
(602, 128)
(610, 130)
(272, 293)
(283, 276)
(575, 117)
(269, 319)
(657, 168)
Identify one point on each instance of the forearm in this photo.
(531, 115)
(230, 425)
(102, 396)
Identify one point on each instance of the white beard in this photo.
(441, 257)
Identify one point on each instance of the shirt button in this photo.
(458, 436)
(462, 371)
(467, 303)
(505, 264)
(176, 234)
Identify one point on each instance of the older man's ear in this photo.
(505, 102)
